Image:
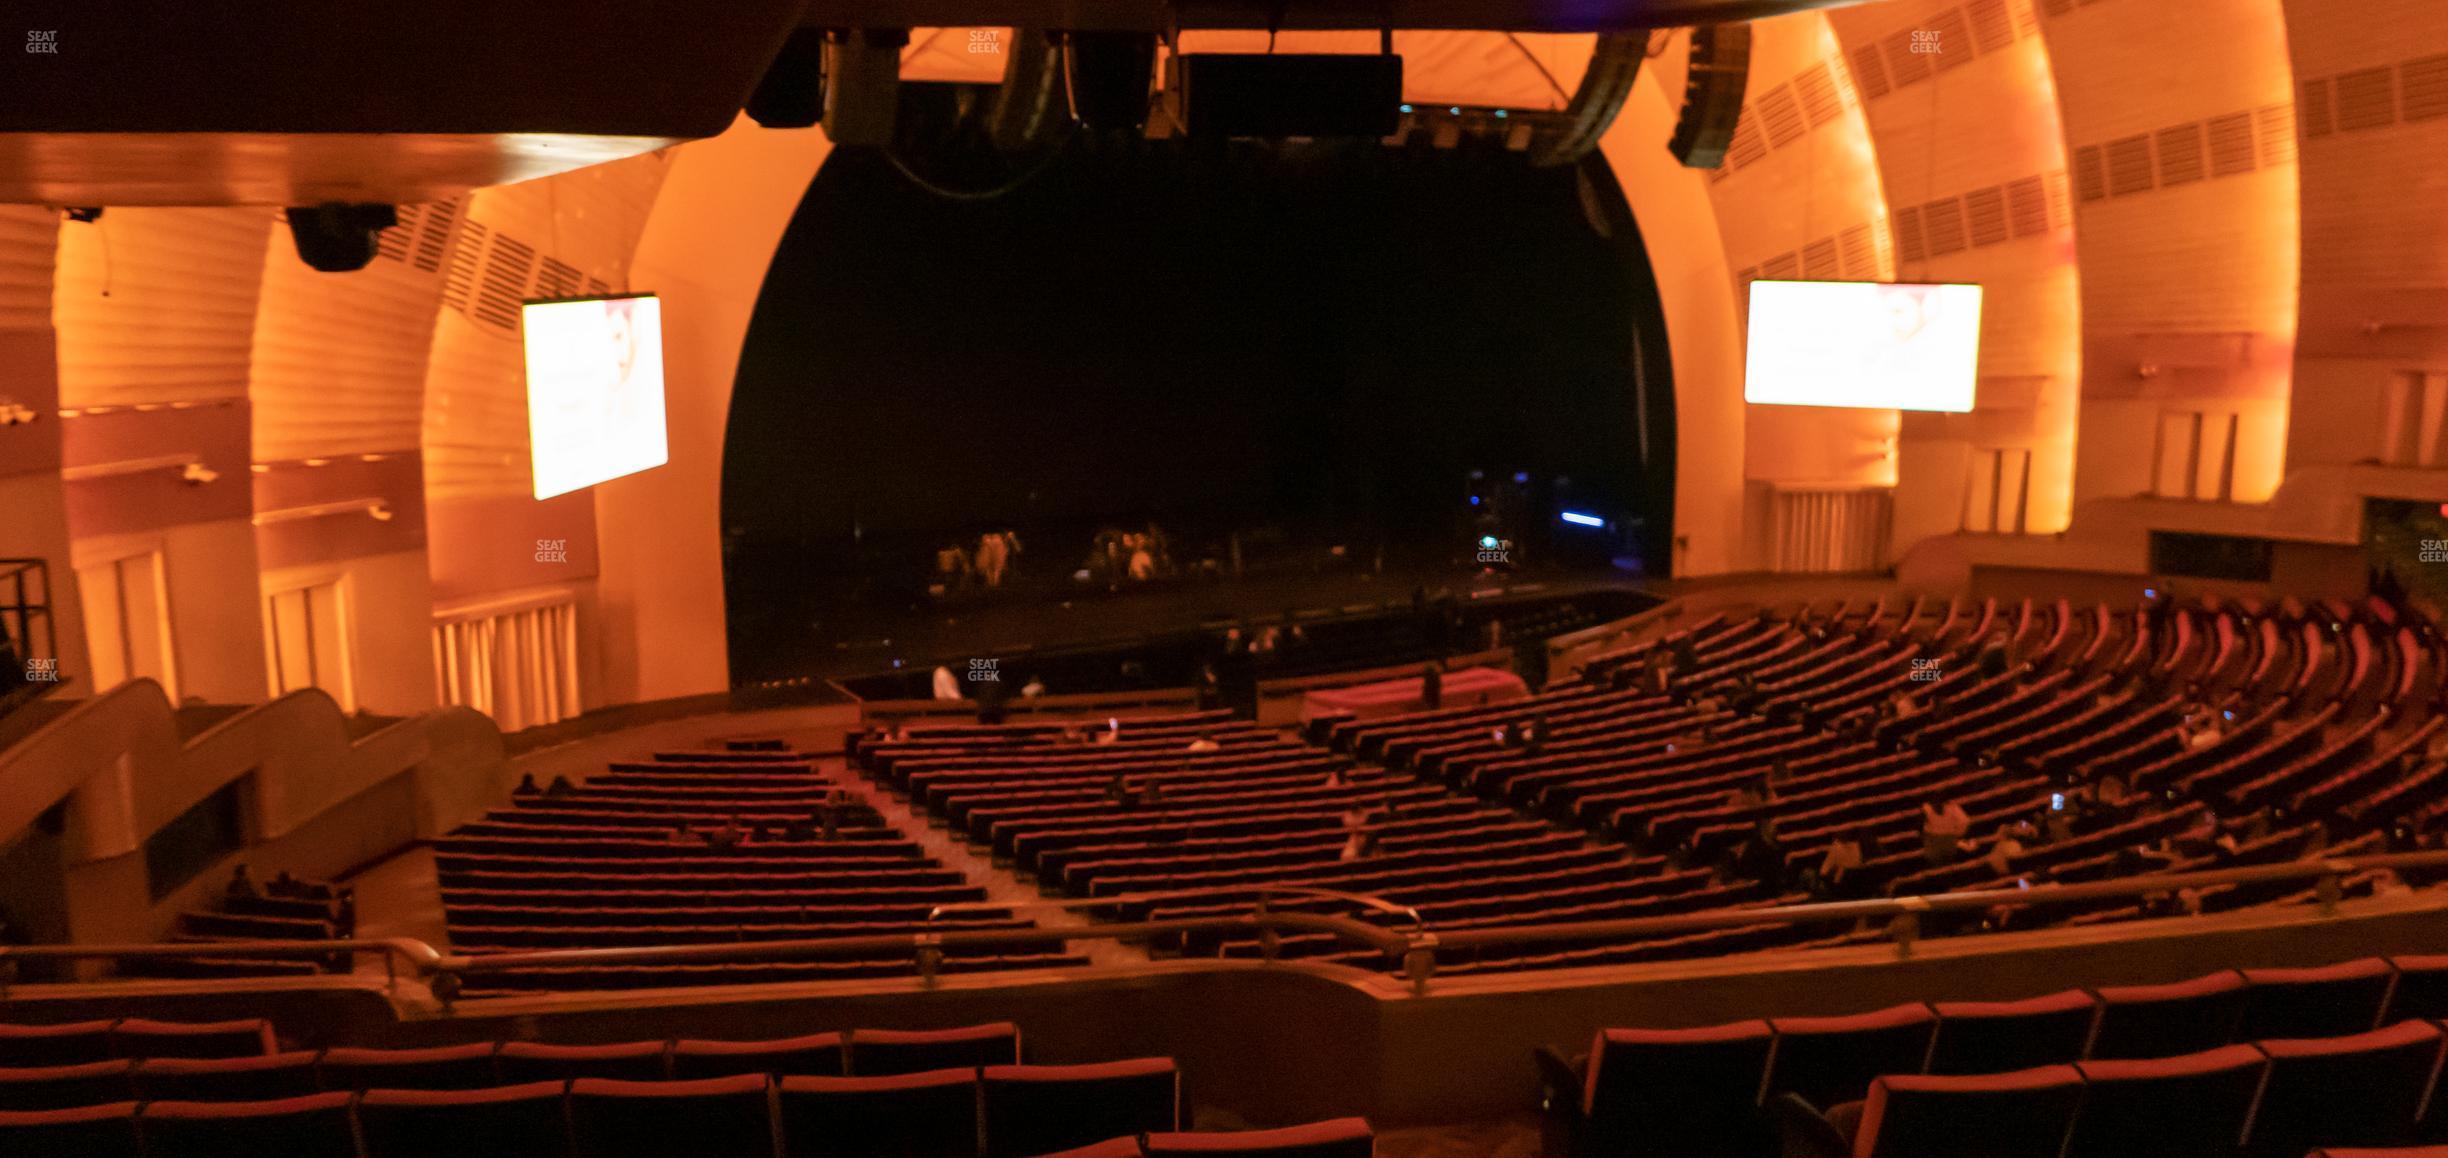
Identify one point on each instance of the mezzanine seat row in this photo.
(1003, 1111)
(476, 1065)
(1705, 1089)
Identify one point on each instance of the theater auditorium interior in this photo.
(1277, 578)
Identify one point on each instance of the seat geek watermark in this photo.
(985, 671)
(42, 43)
(552, 551)
(42, 671)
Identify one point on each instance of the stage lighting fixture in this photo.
(336, 237)
(1110, 75)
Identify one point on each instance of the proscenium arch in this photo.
(711, 238)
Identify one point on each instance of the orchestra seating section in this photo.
(596, 864)
(1848, 719)
(129, 1088)
(2257, 1063)
(280, 910)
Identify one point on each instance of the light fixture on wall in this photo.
(376, 509)
(13, 413)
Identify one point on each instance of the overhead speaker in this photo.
(338, 238)
(864, 92)
(792, 93)
(1110, 75)
(1712, 95)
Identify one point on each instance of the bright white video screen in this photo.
(1863, 344)
(594, 390)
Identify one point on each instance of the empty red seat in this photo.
(1994, 1037)
(2167, 1020)
(314, 1126)
(901, 1051)
(2360, 1090)
(1831, 1060)
(2391, 1152)
(74, 1043)
(139, 1038)
(268, 1077)
(530, 1061)
(712, 1116)
(1338, 1138)
(819, 1054)
(935, 1112)
(2421, 990)
(100, 1131)
(1109, 1148)
(2023, 1114)
(2193, 1106)
(442, 1067)
(1033, 1110)
(2325, 1001)
(59, 1087)
(522, 1121)
(1674, 1091)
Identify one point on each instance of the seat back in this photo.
(1337, 1138)
(2194, 1106)
(2023, 1114)
(314, 1126)
(60, 1087)
(1039, 1109)
(876, 1052)
(2328, 1001)
(2143, 1021)
(618, 1119)
(523, 1121)
(935, 1112)
(2421, 990)
(1832, 1060)
(2360, 1090)
(1677, 1091)
(139, 1038)
(98, 1131)
(1995, 1037)
(36, 1046)
(444, 1067)
(819, 1055)
(528, 1061)
(269, 1077)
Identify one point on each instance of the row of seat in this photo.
(77, 1042)
(996, 1112)
(475, 1065)
(1705, 1086)
(2275, 1098)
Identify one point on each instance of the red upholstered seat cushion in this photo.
(2389, 1037)
(1874, 1109)
(2141, 1069)
(1311, 1134)
(2202, 986)
(1753, 1029)
(2057, 1002)
(1910, 1013)
(2342, 971)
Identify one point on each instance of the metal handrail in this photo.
(1266, 893)
(1416, 948)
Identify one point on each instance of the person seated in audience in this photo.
(1034, 689)
(726, 836)
(1432, 685)
(1904, 705)
(1657, 674)
(559, 787)
(2009, 843)
(685, 835)
(1844, 857)
(1071, 734)
(241, 886)
(527, 787)
(1205, 742)
(1335, 777)
(947, 687)
(1362, 844)
(1152, 792)
(1943, 828)
(284, 885)
(2204, 735)
(1108, 734)
(1746, 696)
(1118, 788)
(798, 830)
(758, 833)
(1750, 794)
(1761, 855)
(1691, 740)
(1996, 654)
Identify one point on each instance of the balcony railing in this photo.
(1416, 948)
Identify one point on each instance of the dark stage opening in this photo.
(1271, 360)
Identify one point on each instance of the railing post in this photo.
(8, 974)
(930, 958)
(2332, 886)
(445, 986)
(1905, 928)
(1419, 961)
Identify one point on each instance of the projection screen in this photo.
(1864, 345)
(594, 390)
